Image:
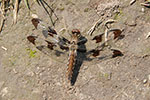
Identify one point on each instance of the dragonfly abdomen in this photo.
(71, 63)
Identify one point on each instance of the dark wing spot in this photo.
(117, 33)
(50, 34)
(50, 45)
(116, 53)
(51, 31)
(35, 22)
(98, 38)
(65, 40)
(31, 39)
(64, 48)
(95, 52)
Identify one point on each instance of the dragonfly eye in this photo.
(76, 32)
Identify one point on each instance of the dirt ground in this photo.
(28, 74)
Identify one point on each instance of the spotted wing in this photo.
(46, 39)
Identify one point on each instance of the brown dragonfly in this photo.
(59, 48)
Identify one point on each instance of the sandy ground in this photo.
(28, 74)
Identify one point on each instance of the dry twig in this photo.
(2, 24)
(107, 28)
(95, 26)
(15, 11)
(148, 35)
(132, 2)
(146, 4)
(2, 10)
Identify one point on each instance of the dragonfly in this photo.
(59, 47)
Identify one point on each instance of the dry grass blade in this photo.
(2, 10)
(44, 5)
(4, 48)
(132, 2)
(107, 31)
(116, 32)
(90, 32)
(2, 24)
(106, 35)
(148, 35)
(15, 12)
(146, 4)
(27, 4)
(110, 21)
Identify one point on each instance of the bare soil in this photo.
(28, 74)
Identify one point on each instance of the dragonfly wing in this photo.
(49, 48)
(56, 55)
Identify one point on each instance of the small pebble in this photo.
(144, 81)
(48, 69)
(58, 83)
(38, 68)
(30, 73)
(40, 74)
(14, 70)
(142, 9)
(35, 91)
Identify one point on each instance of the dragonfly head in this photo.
(76, 32)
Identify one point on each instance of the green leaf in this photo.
(27, 4)
(31, 53)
